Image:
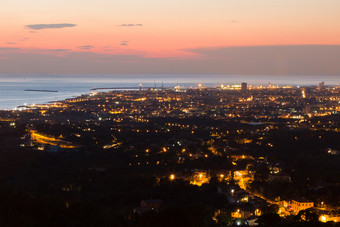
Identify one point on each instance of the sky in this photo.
(239, 37)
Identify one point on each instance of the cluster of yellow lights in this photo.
(177, 125)
(42, 139)
(140, 99)
(231, 87)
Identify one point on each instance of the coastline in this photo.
(12, 94)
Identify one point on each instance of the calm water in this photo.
(13, 94)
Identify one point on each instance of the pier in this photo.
(37, 90)
(129, 88)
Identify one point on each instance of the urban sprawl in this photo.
(205, 156)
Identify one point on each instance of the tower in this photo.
(244, 87)
(321, 85)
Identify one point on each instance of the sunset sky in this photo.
(180, 36)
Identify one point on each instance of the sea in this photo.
(13, 88)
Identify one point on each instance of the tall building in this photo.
(244, 87)
(321, 85)
(307, 109)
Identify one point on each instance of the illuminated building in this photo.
(298, 206)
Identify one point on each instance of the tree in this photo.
(269, 219)
(271, 209)
(307, 216)
(261, 173)
(224, 218)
